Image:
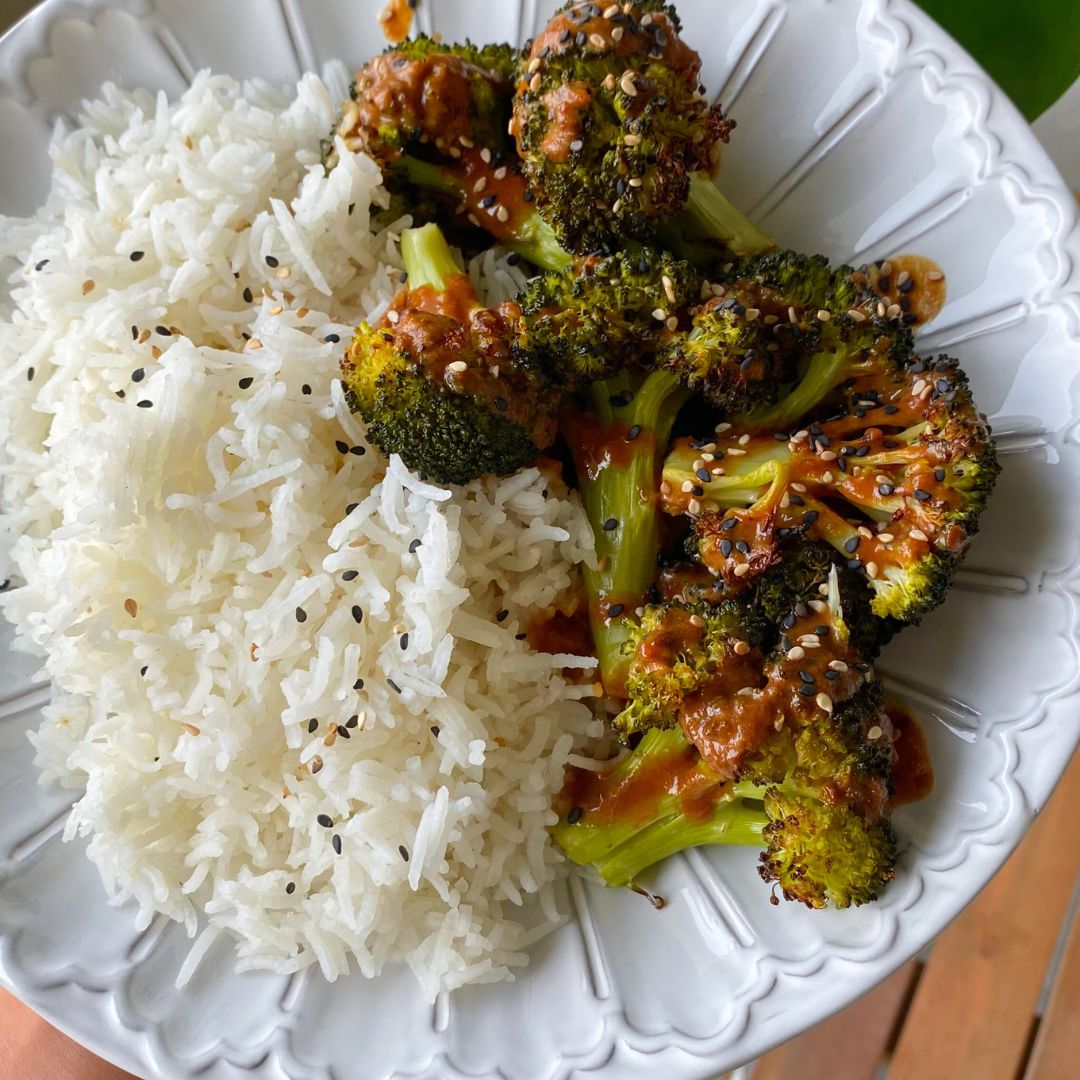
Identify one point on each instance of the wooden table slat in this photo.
(1057, 1045)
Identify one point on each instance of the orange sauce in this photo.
(559, 632)
(396, 19)
(598, 446)
(500, 203)
(912, 771)
(567, 106)
(916, 283)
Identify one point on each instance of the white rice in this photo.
(180, 567)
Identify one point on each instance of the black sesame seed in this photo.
(30, 373)
(703, 474)
(301, 615)
(821, 631)
(796, 500)
(342, 446)
(350, 575)
(939, 475)
(861, 668)
(350, 508)
(807, 690)
(138, 375)
(633, 433)
(809, 517)
(910, 318)
(789, 620)
(851, 545)
(332, 338)
(725, 547)
(143, 670)
(729, 523)
(164, 331)
(885, 489)
(248, 296)
(357, 613)
(889, 410)
(393, 686)
(120, 394)
(344, 732)
(135, 256)
(579, 38)
(358, 685)
(271, 261)
(357, 451)
(246, 382)
(487, 201)
(907, 285)
(435, 730)
(500, 403)
(501, 615)
(313, 724)
(742, 547)
(305, 389)
(611, 524)
(574, 816)
(41, 265)
(403, 641)
(291, 888)
(145, 404)
(520, 637)
(403, 851)
(806, 676)
(615, 610)
(854, 564)
(513, 259)
(336, 842)
(353, 720)
(832, 676)
(352, 207)
(134, 333)
(528, 196)
(326, 821)
(922, 495)
(697, 491)
(801, 610)
(414, 545)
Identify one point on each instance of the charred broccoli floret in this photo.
(435, 381)
(434, 116)
(905, 451)
(615, 132)
(792, 754)
(617, 444)
(676, 649)
(605, 314)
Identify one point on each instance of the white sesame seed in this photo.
(752, 313)
(874, 733)
(392, 317)
(626, 83)
(669, 288)
(659, 314)
(871, 569)
(616, 206)
(918, 534)
(500, 173)
(837, 665)
(636, 182)
(617, 34)
(611, 9)
(918, 387)
(792, 315)
(609, 82)
(697, 620)
(736, 452)
(824, 702)
(886, 538)
(824, 316)
(746, 691)
(740, 648)
(799, 435)
(797, 652)
(770, 320)
(534, 65)
(903, 277)
(502, 214)
(865, 533)
(935, 275)
(827, 455)
(687, 486)
(796, 486)
(855, 315)
(631, 139)
(457, 365)
(817, 605)
(827, 477)
(741, 570)
(466, 142)
(665, 488)
(672, 323)
(893, 311)
(694, 507)
(479, 185)
(534, 82)
(721, 428)
(598, 41)
(823, 589)
(485, 156)
(881, 311)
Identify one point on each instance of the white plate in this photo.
(863, 131)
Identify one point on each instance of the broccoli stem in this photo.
(824, 371)
(428, 258)
(620, 846)
(535, 240)
(620, 501)
(708, 215)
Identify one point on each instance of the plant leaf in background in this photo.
(1030, 47)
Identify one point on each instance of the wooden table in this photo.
(996, 998)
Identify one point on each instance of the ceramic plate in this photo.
(864, 131)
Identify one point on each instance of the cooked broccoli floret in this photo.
(434, 116)
(617, 445)
(792, 754)
(905, 451)
(676, 649)
(605, 314)
(612, 124)
(435, 381)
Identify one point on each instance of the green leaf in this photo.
(1031, 48)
